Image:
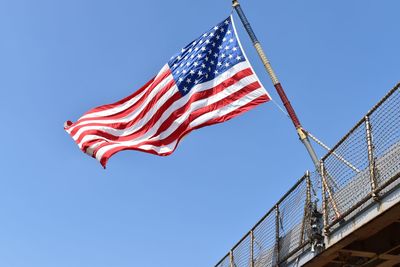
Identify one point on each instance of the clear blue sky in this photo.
(58, 59)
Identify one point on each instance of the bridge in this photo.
(346, 213)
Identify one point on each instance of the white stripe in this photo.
(178, 104)
(193, 106)
(92, 147)
(228, 108)
(131, 116)
(125, 105)
(202, 119)
(160, 150)
(127, 118)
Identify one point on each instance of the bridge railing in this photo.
(364, 164)
(359, 169)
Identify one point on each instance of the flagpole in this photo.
(292, 114)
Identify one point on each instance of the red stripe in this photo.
(146, 127)
(195, 97)
(197, 113)
(203, 95)
(242, 109)
(184, 126)
(124, 125)
(149, 87)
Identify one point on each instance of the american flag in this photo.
(209, 81)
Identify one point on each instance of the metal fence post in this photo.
(371, 159)
(251, 248)
(307, 206)
(277, 233)
(324, 201)
(328, 189)
(231, 264)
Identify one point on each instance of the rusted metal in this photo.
(307, 206)
(277, 250)
(324, 202)
(371, 159)
(328, 190)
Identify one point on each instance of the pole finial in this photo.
(235, 3)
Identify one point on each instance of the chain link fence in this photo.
(359, 169)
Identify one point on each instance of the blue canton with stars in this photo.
(214, 52)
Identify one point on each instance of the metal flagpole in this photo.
(302, 134)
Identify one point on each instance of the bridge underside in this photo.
(377, 243)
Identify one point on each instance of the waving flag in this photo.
(209, 81)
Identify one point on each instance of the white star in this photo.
(215, 55)
(238, 57)
(231, 40)
(185, 88)
(222, 55)
(175, 65)
(230, 56)
(200, 73)
(223, 40)
(179, 57)
(201, 41)
(226, 64)
(188, 80)
(203, 49)
(186, 57)
(203, 65)
(219, 64)
(212, 62)
(192, 56)
(196, 81)
(220, 47)
(207, 41)
(222, 30)
(190, 50)
(234, 48)
(209, 52)
(213, 44)
(183, 50)
(211, 34)
(195, 64)
(206, 76)
(216, 28)
(209, 69)
(215, 72)
(217, 37)
(184, 71)
(192, 72)
(180, 79)
(196, 49)
(205, 35)
(227, 47)
(229, 32)
(187, 64)
(206, 58)
(199, 56)
(226, 22)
